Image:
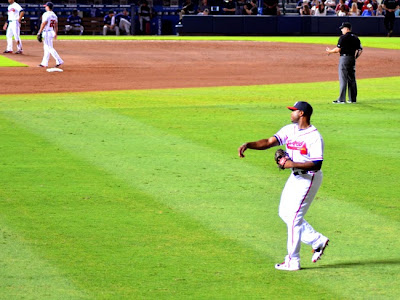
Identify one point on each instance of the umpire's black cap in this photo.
(303, 106)
(345, 24)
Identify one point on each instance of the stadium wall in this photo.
(281, 25)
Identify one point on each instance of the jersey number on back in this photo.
(52, 23)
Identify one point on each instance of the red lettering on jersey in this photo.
(52, 23)
(300, 146)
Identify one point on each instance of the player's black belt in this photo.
(297, 173)
(346, 55)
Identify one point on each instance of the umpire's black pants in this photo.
(389, 20)
(347, 78)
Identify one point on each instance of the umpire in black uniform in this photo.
(390, 7)
(349, 47)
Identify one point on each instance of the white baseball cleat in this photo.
(287, 266)
(320, 250)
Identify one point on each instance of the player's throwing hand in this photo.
(242, 149)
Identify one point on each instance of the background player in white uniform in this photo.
(305, 148)
(48, 30)
(13, 26)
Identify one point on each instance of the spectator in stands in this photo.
(144, 13)
(360, 4)
(374, 4)
(342, 12)
(364, 7)
(320, 9)
(330, 4)
(271, 8)
(251, 8)
(368, 12)
(74, 23)
(206, 12)
(299, 6)
(390, 6)
(187, 9)
(240, 7)
(229, 8)
(312, 4)
(354, 12)
(380, 11)
(203, 5)
(109, 23)
(339, 7)
(305, 10)
(123, 21)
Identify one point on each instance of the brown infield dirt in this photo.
(127, 65)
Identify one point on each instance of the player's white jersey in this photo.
(51, 19)
(302, 145)
(13, 11)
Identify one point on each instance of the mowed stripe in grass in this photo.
(178, 147)
(7, 62)
(109, 238)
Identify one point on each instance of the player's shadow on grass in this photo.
(395, 261)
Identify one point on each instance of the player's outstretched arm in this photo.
(258, 145)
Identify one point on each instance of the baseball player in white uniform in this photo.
(305, 148)
(48, 30)
(13, 26)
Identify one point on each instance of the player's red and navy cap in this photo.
(49, 4)
(303, 106)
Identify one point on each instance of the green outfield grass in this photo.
(373, 42)
(7, 62)
(140, 194)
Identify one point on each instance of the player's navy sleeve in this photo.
(317, 164)
(279, 140)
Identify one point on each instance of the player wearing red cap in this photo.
(305, 148)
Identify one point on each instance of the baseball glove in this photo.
(281, 157)
(39, 37)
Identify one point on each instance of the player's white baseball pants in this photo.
(48, 37)
(142, 22)
(79, 28)
(125, 25)
(13, 30)
(107, 29)
(296, 198)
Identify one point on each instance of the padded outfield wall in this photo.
(282, 25)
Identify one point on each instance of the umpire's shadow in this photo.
(394, 261)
